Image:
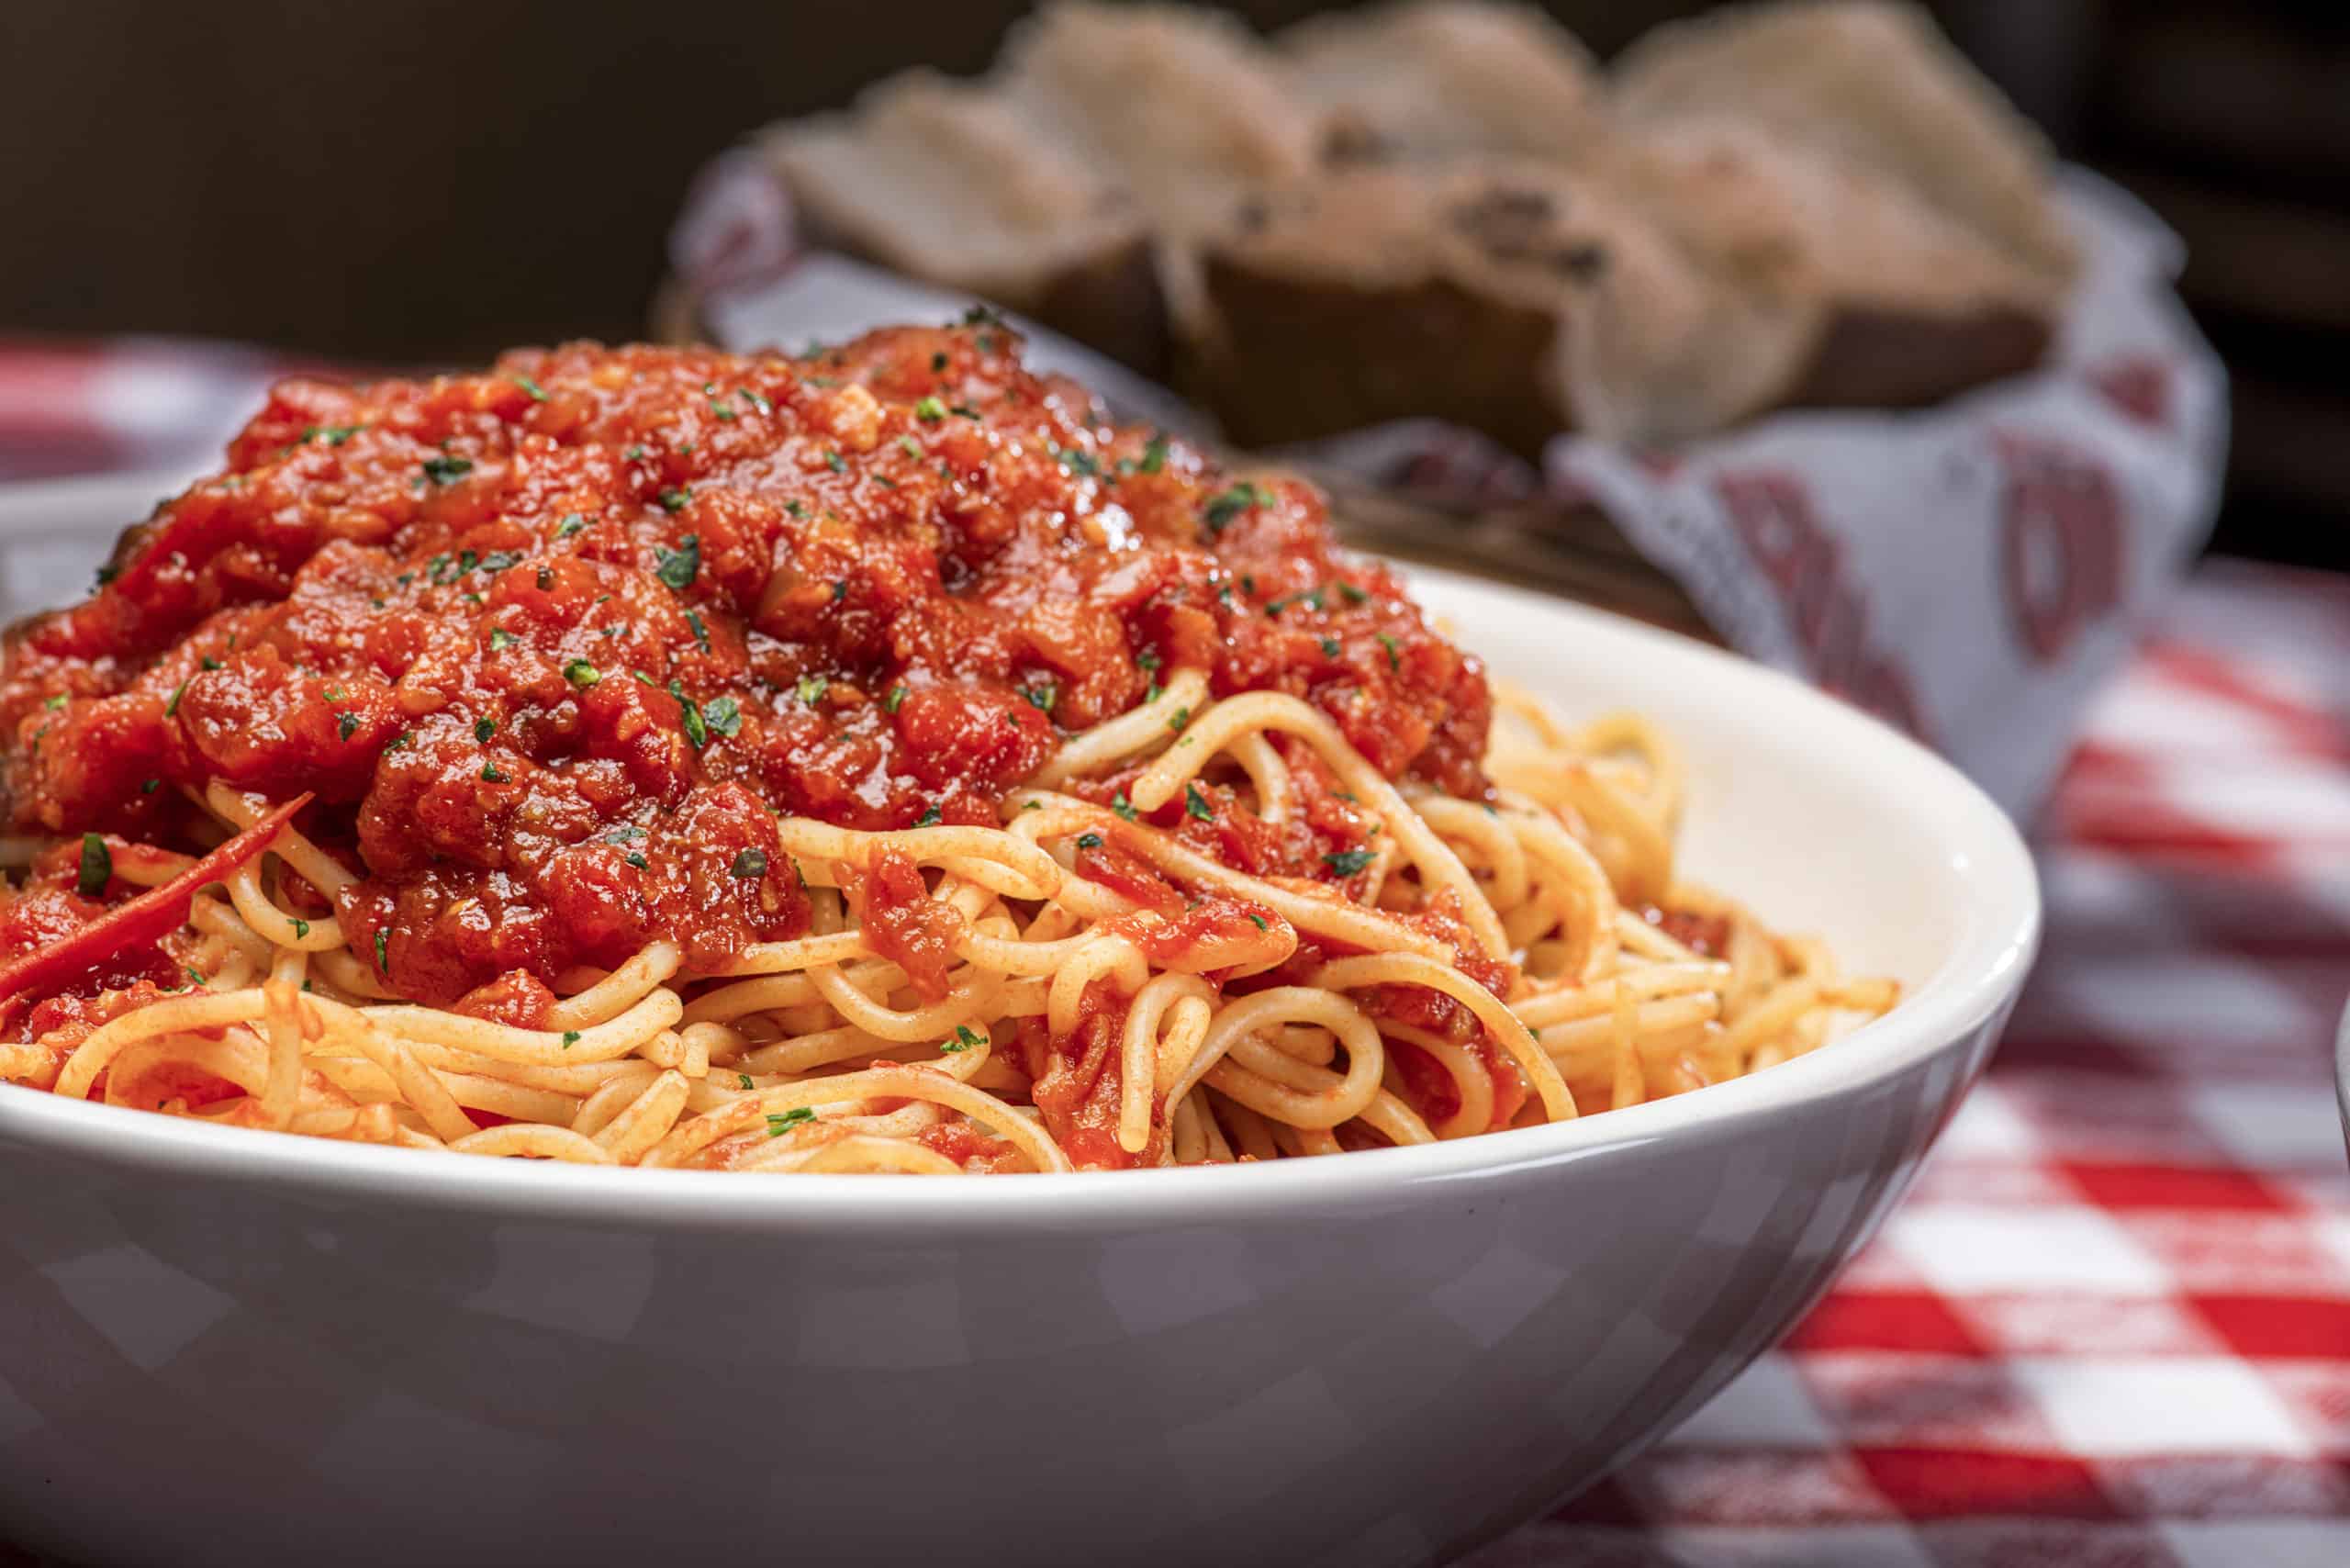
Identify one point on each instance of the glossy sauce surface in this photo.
(555, 643)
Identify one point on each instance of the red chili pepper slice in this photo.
(146, 918)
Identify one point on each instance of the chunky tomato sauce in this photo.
(554, 643)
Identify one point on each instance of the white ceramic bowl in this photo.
(231, 1346)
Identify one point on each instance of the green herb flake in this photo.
(1195, 805)
(382, 950)
(745, 1079)
(1154, 456)
(896, 700)
(58, 702)
(673, 498)
(444, 469)
(98, 865)
(751, 864)
(722, 716)
(301, 929)
(1348, 862)
(538, 393)
(677, 568)
(1329, 647)
(1089, 841)
(490, 775)
(1224, 507)
(500, 638)
(929, 817)
(348, 725)
(930, 411)
(570, 1038)
(702, 632)
(1395, 656)
(782, 1122)
(1180, 717)
(1041, 696)
(811, 689)
(1124, 807)
(1260, 920)
(835, 462)
(172, 707)
(571, 523)
(582, 674)
(150, 785)
(1352, 594)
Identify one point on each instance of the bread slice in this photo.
(1874, 84)
(943, 180)
(1441, 78)
(1887, 301)
(1509, 297)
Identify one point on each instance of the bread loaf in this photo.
(942, 181)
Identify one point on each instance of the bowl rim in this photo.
(1972, 987)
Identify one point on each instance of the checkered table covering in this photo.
(2111, 1325)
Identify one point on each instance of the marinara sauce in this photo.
(553, 644)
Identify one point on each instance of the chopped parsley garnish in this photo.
(811, 689)
(1180, 717)
(98, 865)
(782, 1122)
(938, 361)
(673, 498)
(1124, 807)
(1041, 696)
(1329, 647)
(929, 817)
(745, 1079)
(891, 703)
(301, 929)
(722, 716)
(570, 1038)
(1147, 659)
(348, 725)
(966, 1038)
(58, 702)
(582, 674)
(1231, 504)
(1260, 920)
(1154, 456)
(1352, 594)
(696, 730)
(1311, 599)
(624, 834)
(676, 568)
(172, 707)
(484, 729)
(750, 863)
(1348, 862)
(634, 858)
(635, 453)
(538, 393)
(702, 632)
(499, 637)
(333, 435)
(963, 410)
(491, 776)
(840, 589)
(382, 950)
(209, 662)
(401, 742)
(1077, 461)
(1089, 841)
(910, 446)
(150, 785)
(1195, 805)
(571, 523)
(835, 462)
(1395, 657)
(930, 411)
(444, 469)
(795, 509)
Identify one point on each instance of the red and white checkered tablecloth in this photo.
(2111, 1325)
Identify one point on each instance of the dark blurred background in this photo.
(417, 181)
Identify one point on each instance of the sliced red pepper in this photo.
(147, 918)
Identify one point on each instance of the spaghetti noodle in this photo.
(1184, 842)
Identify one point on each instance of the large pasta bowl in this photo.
(231, 1346)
